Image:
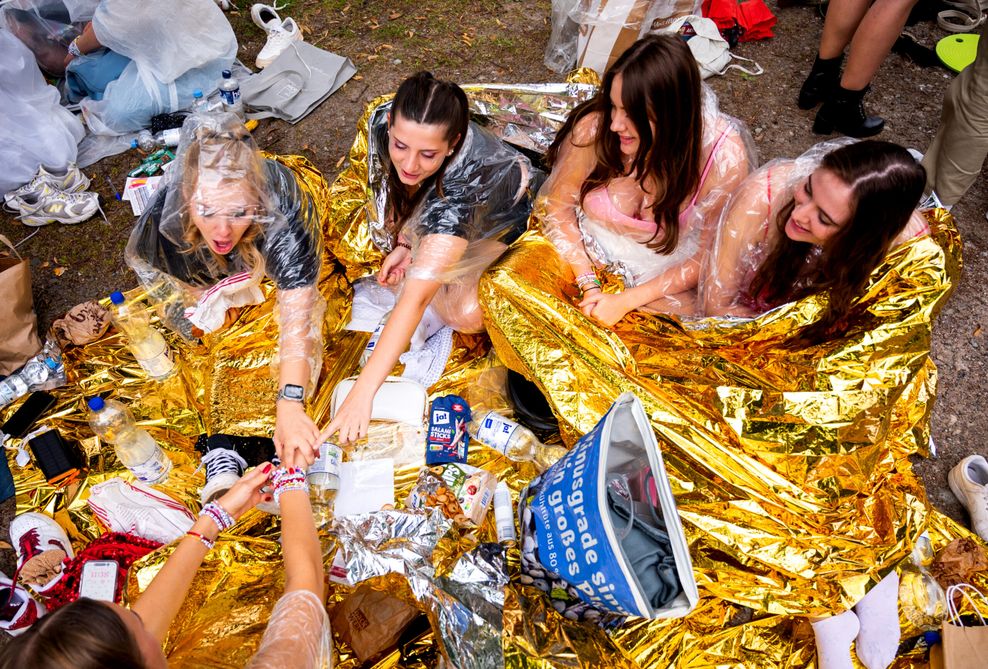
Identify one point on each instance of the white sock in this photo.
(833, 640)
(878, 613)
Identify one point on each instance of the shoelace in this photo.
(222, 460)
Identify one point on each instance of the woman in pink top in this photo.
(820, 223)
(637, 170)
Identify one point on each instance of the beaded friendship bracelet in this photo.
(219, 515)
(404, 244)
(73, 48)
(205, 542)
(285, 479)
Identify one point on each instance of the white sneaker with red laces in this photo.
(969, 482)
(35, 535)
(18, 611)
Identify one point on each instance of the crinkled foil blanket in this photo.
(790, 469)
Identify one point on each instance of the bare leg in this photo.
(841, 24)
(872, 40)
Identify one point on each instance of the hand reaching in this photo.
(351, 419)
(246, 493)
(393, 270)
(296, 437)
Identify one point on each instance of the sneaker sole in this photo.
(955, 488)
(39, 221)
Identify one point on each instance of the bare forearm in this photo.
(303, 555)
(160, 603)
(674, 280)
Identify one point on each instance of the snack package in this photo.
(447, 440)
(464, 493)
(371, 622)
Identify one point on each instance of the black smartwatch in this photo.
(292, 392)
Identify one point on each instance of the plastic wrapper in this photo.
(748, 229)
(297, 635)
(579, 25)
(186, 252)
(36, 129)
(602, 231)
(173, 52)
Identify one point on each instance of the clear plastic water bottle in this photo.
(504, 516)
(198, 101)
(230, 92)
(136, 450)
(32, 376)
(515, 441)
(168, 137)
(324, 481)
(146, 142)
(146, 343)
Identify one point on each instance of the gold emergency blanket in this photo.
(790, 468)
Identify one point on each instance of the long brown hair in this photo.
(660, 85)
(424, 99)
(886, 184)
(85, 634)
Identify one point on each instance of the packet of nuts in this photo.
(464, 493)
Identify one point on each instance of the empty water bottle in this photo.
(515, 441)
(32, 376)
(136, 450)
(198, 101)
(230, 92)
(145, 141)
(146, 343)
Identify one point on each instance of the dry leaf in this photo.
(977, 331)
(394, 15)
(59, 271)
(45, 264)
(358, 77)
(383, 46)
(340, 161)
(372, 56)
(409, 33)
(498, 21)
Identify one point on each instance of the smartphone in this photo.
(99, 580)
(33, 408)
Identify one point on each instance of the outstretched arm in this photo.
(163, 598)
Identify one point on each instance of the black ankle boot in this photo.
(845, 113)
(821, 82)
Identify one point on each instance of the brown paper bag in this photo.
(18, 323)
(964, 647)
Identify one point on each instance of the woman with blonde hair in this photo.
(225, 218)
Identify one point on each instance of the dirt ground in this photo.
(503, 40)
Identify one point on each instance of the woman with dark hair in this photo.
(636, 172)
(89, 634)
(454, 196)
(818, 224)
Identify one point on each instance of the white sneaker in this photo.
(33, 535)
(265, 17)
(18, 611)
(57, 207)
(73, 181)
(279, 39)
(969, 482)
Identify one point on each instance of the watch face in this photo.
(293, 392)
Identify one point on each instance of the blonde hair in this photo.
(228, 153)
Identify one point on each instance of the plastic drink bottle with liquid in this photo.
(136, 450)
(230, 93)
(515, 441)
(146, 343)
(324, 481)
(198, 101)
(30, 377)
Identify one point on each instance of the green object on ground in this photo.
(958, 51)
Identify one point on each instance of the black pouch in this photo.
(59, 460)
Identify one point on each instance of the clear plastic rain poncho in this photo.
(748, 229)
(47, 27)
(297, 635)
(220, 191)
(604, 231)
(487, 194)
(175, 48)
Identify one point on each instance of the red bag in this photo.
(752, 18)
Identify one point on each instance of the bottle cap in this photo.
(227, 74)
(197, 94)
(96, 403)
(52, 363)
(133, 143)
(117, 297)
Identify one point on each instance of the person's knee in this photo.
(463, 316)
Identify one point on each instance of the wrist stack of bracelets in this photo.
(587, 281)
(219, 516)
(285, 479)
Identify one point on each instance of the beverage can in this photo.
(325, 471)
(496, 431)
